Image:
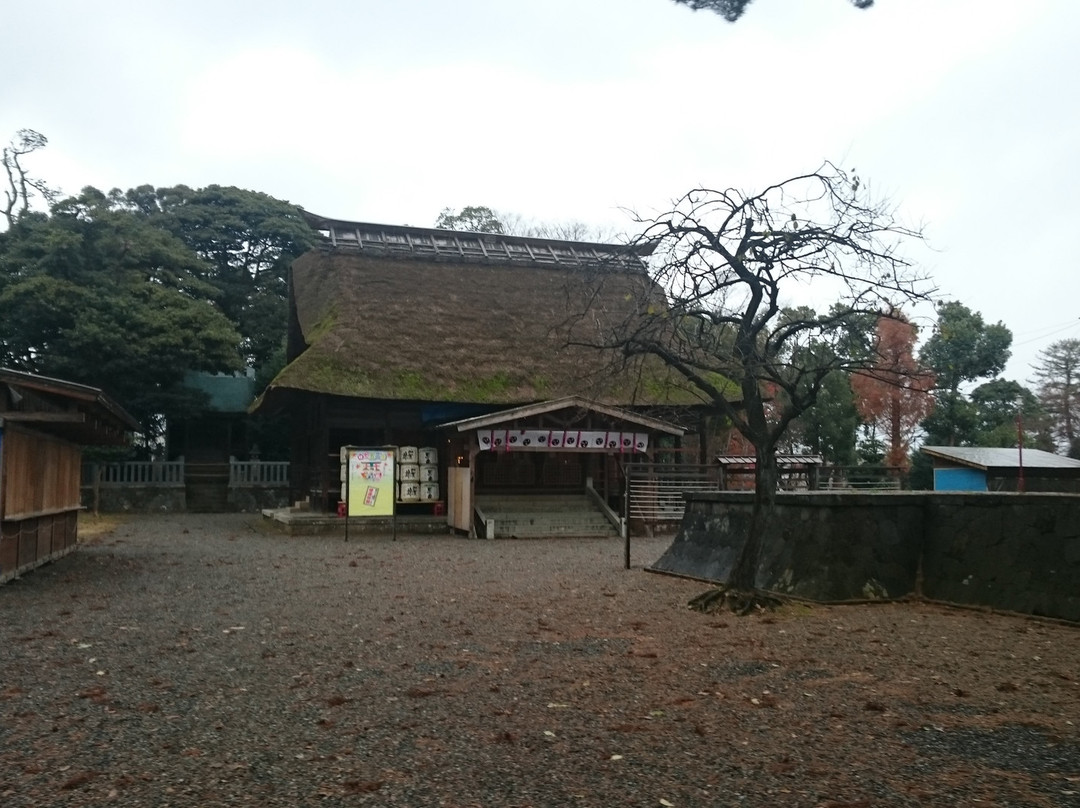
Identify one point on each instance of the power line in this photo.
(1049, 331)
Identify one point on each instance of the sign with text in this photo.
(368, 479)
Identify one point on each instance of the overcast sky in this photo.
(964, 113)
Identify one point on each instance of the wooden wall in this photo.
(41, 474)
(29, 543)
(39, 499)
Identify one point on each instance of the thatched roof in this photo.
(382, 322)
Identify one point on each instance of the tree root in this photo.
(740, 601)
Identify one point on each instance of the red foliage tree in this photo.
(895, 391)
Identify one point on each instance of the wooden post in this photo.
(474, 451)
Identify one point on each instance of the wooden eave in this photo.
(74, 412)
(544, 407)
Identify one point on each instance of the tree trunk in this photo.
(744, 573)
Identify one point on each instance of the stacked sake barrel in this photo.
(418, 474)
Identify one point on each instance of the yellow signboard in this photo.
(370, 481)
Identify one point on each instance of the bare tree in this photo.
(715, 313)
(482, 219)
(1057, 375)
(567, 230)
(21, 186)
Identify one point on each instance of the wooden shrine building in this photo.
(432, 339)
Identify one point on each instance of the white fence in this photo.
(655, 491)
(134, 473)
(242, 473)
(258, 473)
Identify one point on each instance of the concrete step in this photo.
(533, 504)
(520, 516)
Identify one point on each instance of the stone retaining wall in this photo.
(173, 498)
(1017, 552)
(136, 498)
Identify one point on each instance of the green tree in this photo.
(962, 349)
(731, 10)
(1004, 410)
(830, 427)
(247, 240)
(473, 219)
(1057, 376)
(710, 308)
(97, 295)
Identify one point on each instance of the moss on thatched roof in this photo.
(373, 326)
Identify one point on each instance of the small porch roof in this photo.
(782, 460)
(544, 407)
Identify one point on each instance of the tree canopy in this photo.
(131, 291)
(731, 10)
(961, 349)
(472, 218)
(101, 297)
(247, 240)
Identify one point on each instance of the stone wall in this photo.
(136, 498)
(255, 499)
(1017, 552)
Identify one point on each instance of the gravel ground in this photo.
(204, 660)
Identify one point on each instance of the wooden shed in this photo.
(44, 423)
(978, 468)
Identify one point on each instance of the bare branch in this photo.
(21, 186)
(715, 312)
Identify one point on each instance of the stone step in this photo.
(207, 498)
(520, 529)
(523, 516)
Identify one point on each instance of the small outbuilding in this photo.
(976, 468)
(44, 423)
